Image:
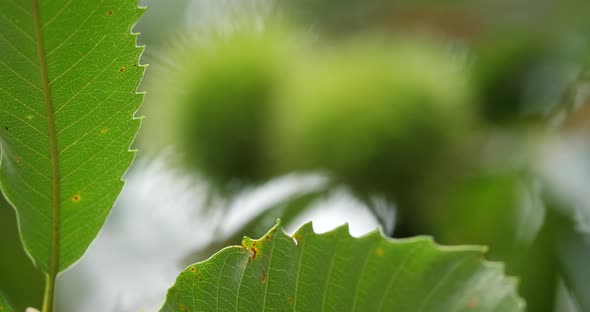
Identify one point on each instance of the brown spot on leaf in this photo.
(290, 300)
(182, 307)
(263, 277)
(298, 237)
(110, 12)
(193, 269)
(472, 303)
(122, 69)
(253, 252)
(103, 131)
(76, 198)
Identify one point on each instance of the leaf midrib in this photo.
(53, 152)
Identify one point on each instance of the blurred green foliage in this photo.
(224, 113)
(525, 76)
(480, 210)
(376, 115)
(437, 106)
(222, 101)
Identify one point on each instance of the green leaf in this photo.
(16, 269)
(68, 77)
(4, 307)
(336, 272)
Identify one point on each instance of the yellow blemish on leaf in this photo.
(103, 131)
(76, 198)
(380, 251)
(30, 117)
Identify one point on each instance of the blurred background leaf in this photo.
(20, 280)
(4, 305)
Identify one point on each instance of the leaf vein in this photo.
(439, 283)
(21, 102)
(361, 274)
(16, 5)
(94, 129)
(97, 106)
(24, 122)
(325, 293)
(26, 145)
(20, 76)
(18, 52)
(27, 35)
(76, 30)
(397, 272)
(95, 155)
(56, 15)
(274, 242)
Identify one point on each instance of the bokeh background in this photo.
(465, 120)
